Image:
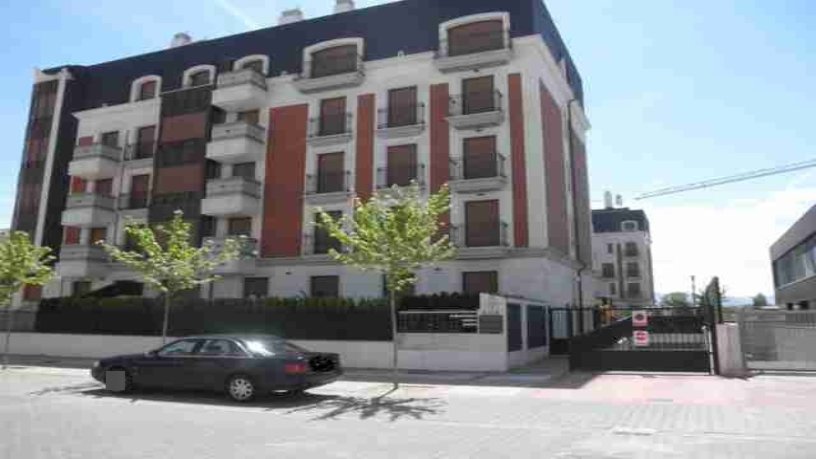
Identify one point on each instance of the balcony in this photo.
(475, 110)
(488, 241)
(93, 162)
(240, 90)
(479, 50)
(330, 73)
(402, 121)
(89, 209)
(474, 174)
(140, 154)
(247, 255)
(232, 197)
(133, 205)
(237, 142)
(317, 245)
(83, 261)
(328, 187)
(330, 129)
(388, 177)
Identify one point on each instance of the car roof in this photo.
(236, 336)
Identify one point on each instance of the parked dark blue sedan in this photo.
(241, 365)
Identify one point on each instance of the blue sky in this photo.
(676, 91)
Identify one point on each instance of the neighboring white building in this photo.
(622, 256)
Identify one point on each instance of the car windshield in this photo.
(267, 347)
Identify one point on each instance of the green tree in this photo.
(395, 232)
(675, 300)
(21, 263)
(760, 300)
(169, 262)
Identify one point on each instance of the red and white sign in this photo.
(640, 319)
(641, 337)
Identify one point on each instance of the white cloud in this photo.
(238, 14)
(730, 240)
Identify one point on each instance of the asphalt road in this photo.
(62, 413)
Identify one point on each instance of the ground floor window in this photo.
(256, 287)
(80, 288)
(476, 282)
(325, 286)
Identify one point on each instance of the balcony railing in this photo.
(83, 252)
(134, 201)
(79, 200)
(237, 129)
(239, 77)
(475, 42)
(247, 247)
(630, 252)
(141, 150)
(330, 66)
(401, 115)
(328, 182)
(319, 245)
(493, 234)
(328, 125)
(475, 102)
(97, 150)
(233, 185)
(400, 176)
(477, 166)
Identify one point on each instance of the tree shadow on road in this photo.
(393, 408)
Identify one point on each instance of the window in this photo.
(402, 165)
(98, 234)
(330, 174)
(482, 223)
(633, 290)
(333, 61)
(212, 170)
(475, 37)
(79, 288)
(629, 226)
(71, 235)
(477, 95)
(32, 292)
(332, 116)
(479, 157)
(613, 288)
(249, 116)
(245, 170)
(325, 286)
(476, 282)
(139, 185)
(145, 142)
(147, 90)
(239, 226)
(254, 64)
(609, 248)
(632, 269)
(199, 78)
(103, 187)
(78, 185)
(184, 347)
(110, 139)
(630, 249)
(322, 240)
(208, 225)
(608, 270)
(221, 347)
(256, 287)
(402, 107)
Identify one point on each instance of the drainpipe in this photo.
(582, 267)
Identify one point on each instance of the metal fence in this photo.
(437, 322)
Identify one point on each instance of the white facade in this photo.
(610, 249)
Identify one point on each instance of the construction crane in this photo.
(729, 179)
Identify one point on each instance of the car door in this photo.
(215, 360)
(167, 366)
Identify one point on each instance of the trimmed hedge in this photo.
(292, 318)
(441, 301)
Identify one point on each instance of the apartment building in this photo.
(251, 134)
(622, 256)
(793, 260)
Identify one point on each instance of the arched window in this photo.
(145, 88)
(334, 60)
(198, 76)
(476, 37)
(256, 62)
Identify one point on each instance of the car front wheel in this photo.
(240, 388)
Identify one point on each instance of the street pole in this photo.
(693, 292)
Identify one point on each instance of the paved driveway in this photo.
(48, 412)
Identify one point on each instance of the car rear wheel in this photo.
(240, 388)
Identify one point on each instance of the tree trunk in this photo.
(394, 339)
(9, 320)
(167, 299)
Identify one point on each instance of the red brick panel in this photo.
(365, 146)
(178, 179)
(555, 176)
(183, 127)
(440, 140)
(78, 185)
(581, 199)
(520, 223)
(71, 235)
(85, 141)
(283, 190)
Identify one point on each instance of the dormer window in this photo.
(334, 61)
(200, 78)
(200, 75)
(255, 64)
(476, 37)
(147, 90)
(629, 226)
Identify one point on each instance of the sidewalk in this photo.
(539, 374)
